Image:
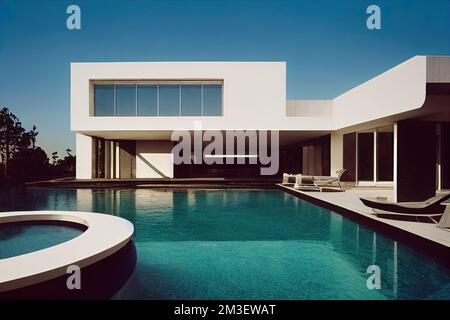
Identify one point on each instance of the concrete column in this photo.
(336, 152)
(84, 156)
(107, 159)
(395, 162)
(416, 160)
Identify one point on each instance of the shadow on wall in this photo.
(98, 281)
(160, 173)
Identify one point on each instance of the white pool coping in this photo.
(105, 235)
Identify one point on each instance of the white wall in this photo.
(400, 89)
(336, 152)
(154, 159)
(254, 94)
(84, 156)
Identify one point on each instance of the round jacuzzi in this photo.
(42, 252)
(17, 238)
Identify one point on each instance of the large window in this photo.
(385, 154)
(375, 155)
(158, 99)
(365, 156)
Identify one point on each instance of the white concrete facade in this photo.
(154, 159)
(84, 156)
(243, 103)
(254, 97)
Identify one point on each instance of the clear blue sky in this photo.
(326, 44)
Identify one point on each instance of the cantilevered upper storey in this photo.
(155, 96)
(139, 97)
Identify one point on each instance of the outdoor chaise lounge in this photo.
(429, 206)
(318, 182)
(441, 219)
(286, 177)
(445, 219)
(414, 217)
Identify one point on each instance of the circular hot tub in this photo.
(48, 244)
(19, 238)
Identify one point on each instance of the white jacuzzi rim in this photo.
(105, 235)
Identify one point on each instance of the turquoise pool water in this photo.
(250, 244)
(20, 239)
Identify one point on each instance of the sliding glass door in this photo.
(366, 151)
(375, 156)
(385, 154)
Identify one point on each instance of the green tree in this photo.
(29, 164)
(21, 160)
(55, 158)
(12, 138)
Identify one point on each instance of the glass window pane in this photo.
(103, 100)
(126, 100)
(147, 100)
(212, 100)
(385, 155)
(365, 156)
(169, 100)
(191, 100)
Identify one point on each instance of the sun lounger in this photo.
(430, 206)
(441, 219)
(286, 177)
(445, 219)
(426, 218)
(318, 182)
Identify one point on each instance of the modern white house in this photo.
(393, 130)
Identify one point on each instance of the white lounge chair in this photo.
(286, 177)
(445, 219)
(429, 206)
(298, 181)
(319, 182)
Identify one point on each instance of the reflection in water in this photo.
(277, 245)
(395, 281)
(374, 248)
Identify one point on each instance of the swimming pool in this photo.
(250, 244)
(17, 239)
